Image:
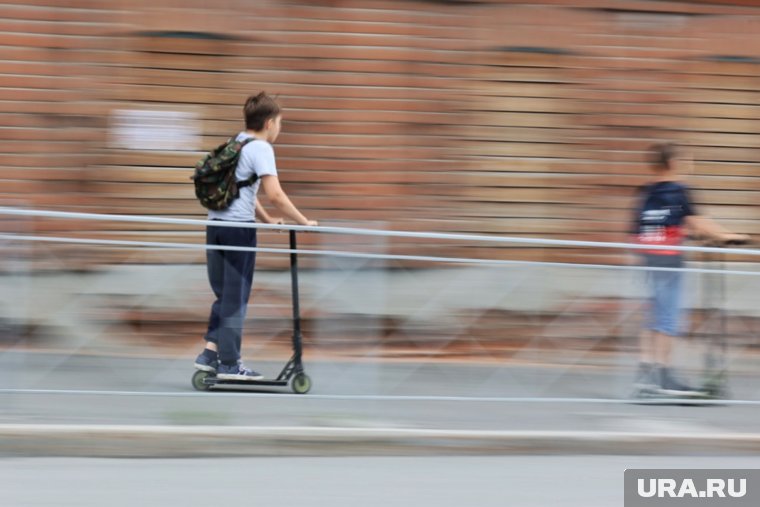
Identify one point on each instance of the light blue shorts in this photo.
(666, 314)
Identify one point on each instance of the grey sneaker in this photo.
(645, 377)
(237, 372)
(670, 385)
(204, 363)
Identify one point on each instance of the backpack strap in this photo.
(250, 181)
(247, 183)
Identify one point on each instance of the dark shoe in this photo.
(204, 363)
(237, 372)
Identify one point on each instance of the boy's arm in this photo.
(263, 216)
(278, 198)
(701, 225)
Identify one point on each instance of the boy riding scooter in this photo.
(664, 215)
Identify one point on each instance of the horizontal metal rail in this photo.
(471, 238)
(358, 255)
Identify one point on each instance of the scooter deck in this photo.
(214, 381)
(659, 397)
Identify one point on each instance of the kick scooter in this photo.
(715, 373)
(293, 371)
(715, 370)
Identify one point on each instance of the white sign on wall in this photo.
(140, 129)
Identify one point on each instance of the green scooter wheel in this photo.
(301, 383)
(198, 380)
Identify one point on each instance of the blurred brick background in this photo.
(493, 117)
(510, 118)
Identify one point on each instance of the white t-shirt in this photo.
(255, 157)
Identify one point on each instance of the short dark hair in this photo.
(258, 109)
(662, 154)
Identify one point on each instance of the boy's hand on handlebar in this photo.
(311, 223)
(735, 239)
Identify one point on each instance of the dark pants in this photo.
(230, 274)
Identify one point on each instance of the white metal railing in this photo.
(472, 238)
(540, 333)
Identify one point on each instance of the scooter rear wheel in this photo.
(198, 380)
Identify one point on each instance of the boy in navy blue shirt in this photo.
(664, 214)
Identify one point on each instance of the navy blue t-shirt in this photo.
(659, 220)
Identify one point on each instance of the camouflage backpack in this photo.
(214, 177)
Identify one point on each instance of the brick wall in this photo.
(519, 119)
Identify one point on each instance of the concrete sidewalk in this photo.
(208, 441)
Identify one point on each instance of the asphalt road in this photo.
(77, 389)
(578, 481)
(96, 406)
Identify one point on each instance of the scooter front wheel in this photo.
(301, 383)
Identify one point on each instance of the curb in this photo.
(247, 441)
